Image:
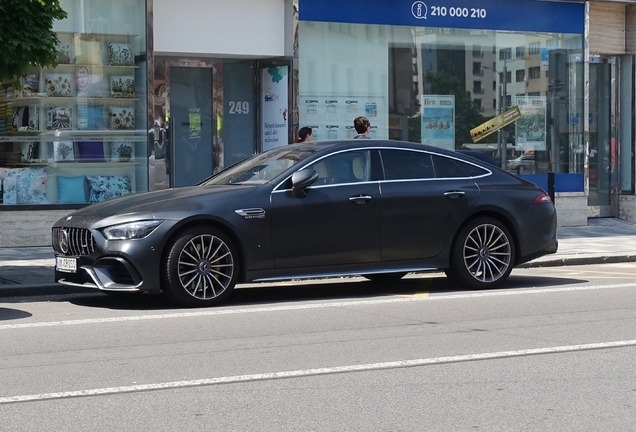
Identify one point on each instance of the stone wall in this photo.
(627, 208)
(571, 208)
(28, 228)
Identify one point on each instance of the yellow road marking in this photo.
(417, 294)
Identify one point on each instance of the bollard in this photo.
(551, 185)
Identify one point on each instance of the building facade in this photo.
(148, 95)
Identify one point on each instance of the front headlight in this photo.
(131, 230)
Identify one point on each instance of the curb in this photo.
(579, 260)
(16, 290)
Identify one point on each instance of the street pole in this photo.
(503, 138)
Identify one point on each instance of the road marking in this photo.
(306, 306)
(314, 372)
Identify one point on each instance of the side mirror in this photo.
(301, 180)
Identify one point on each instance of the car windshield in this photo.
(261, 168)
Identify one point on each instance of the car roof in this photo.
(371, 143)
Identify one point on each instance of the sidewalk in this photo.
(29, 270)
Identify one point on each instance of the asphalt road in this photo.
(553, 351)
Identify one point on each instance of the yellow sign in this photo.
(195, 122)
(495, 123)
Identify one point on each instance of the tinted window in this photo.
(446, 167)
(347, 167)
(406, 165)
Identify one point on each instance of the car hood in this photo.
(162, 201)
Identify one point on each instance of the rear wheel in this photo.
(384, 277)
(482, 254)
(201, 267)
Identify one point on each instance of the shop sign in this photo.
(515, 15)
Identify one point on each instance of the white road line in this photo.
(313, 372)
(335, 304)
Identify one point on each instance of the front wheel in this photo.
(482, 255)
(200, 268)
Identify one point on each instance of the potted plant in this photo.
(125, 152)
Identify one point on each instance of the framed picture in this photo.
(30, 151)
(63, 151)
(58, 117)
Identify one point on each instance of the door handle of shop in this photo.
(360, 199)
(454, 194)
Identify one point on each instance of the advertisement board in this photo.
(274, 105)
(438, 121)
(332, 117)
(530, 129)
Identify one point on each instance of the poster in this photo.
(274, 105)
(331, 118)
(194, 116)
(530, 129)
(438, 121)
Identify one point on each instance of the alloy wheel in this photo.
(487, 253)
(205, 267)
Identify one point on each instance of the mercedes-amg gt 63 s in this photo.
(374, 208)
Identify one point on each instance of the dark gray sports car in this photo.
(374, 208)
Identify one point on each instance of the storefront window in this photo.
(77, 133)
(434, 84)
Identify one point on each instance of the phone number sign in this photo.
(419, 9)
(517, 15)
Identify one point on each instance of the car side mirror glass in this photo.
(301, 180)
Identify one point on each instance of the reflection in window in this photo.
(520, 75)
(534, 48)
(480, 72)
(534, 72)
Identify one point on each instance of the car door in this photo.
(421, 210)
(336, 223)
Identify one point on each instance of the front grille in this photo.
(73, 241)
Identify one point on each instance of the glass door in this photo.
(191, 155)
(602, 199)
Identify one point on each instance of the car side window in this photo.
(346, 167)
(406, 165)
(446, 167)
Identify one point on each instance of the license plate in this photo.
(68, 265)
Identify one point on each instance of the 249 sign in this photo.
(239, 107)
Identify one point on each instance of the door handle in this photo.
(360, 199)
(454, 194)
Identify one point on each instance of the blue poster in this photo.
(438, 121)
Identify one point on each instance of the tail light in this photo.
(543, 198)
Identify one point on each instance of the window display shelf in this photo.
(53, 100)
(69, 136)
(106, 67)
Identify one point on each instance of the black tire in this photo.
(384, 277)
(483, 254)
(521, 169)
(200, 268)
